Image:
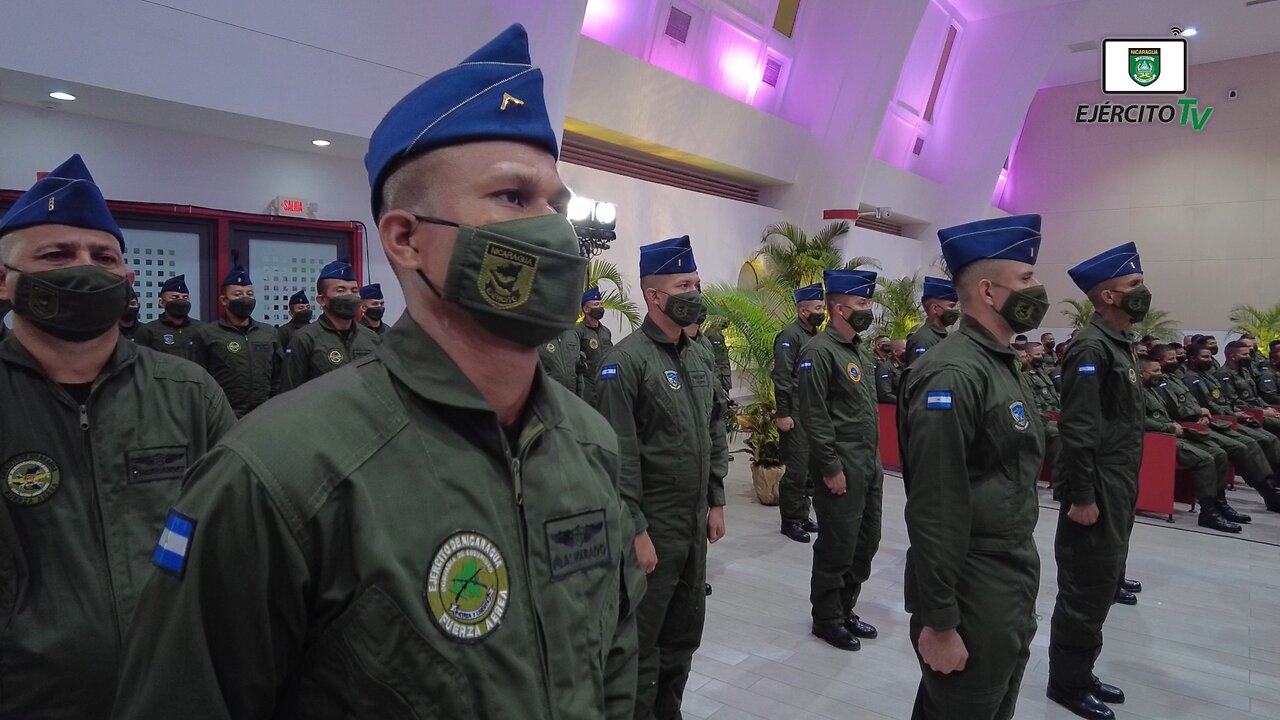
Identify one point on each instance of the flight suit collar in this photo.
(800, 326)
(655, 333)
(224, 323)
(164, 318)
(835, 335)
(125, 354)
(414, 358)
(1122, 337)
(971, 329)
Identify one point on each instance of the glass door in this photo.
(282, 262)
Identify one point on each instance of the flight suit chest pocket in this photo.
(261, 348)
(146, 465)
(663, 389)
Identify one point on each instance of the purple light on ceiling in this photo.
(603, 20)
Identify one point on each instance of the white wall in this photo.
(1203, 207)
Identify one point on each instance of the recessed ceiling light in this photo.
(1189, 32)
(59, 95)
(321, 143)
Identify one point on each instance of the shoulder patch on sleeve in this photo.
(786, 344)
(920, 350)
(806, 365)
(609, 372)
(1087, 369)
(175, 540)
(938, 400)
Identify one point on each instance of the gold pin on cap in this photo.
(508, 98)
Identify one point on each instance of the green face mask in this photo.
(685, 309)
(950, 317)
(1025, 309)
(1136, 303)
(860, 320)
(75, 304)
(521, 279)
(344, 307)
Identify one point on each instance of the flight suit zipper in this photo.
(83, 409)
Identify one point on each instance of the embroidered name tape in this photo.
(175, 540)
(608, 372)
(938, 401)
(1087, 369)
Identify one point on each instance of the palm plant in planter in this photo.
(899, 306)
(615, 299)
(1262, 323)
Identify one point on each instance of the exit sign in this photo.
(291, 206)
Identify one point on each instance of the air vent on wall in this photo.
(678, 23)
(772, 69)
(599, 155)
(869, 222)
(919, 147)
(1085, 46)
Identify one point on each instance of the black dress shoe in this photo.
(809, 526)
(1211, 518)
(1107, 693)
(1231, 513)
(1124, 597)
(1081, 702)
(1132, 586)
(836, 636)
(708, 588)
(795, 532)
(859, 629)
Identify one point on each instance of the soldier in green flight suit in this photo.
(594, 339)
(972, 452)
(1205, 383)
(242, 354)
(128, 321)
(171, 332)
(373, 308)
(658, 392)
(1241, 388)
(563, 360)
(95, 435)
(299, 317)
(1206, 463)
(337, 339)
(451, 543)
(713, 333)
(939, 301)
(837, 406)
(1097, 476)
(1243, 451)
(796, 487)
(1048, 402)
(888, 372)
(1264, 376)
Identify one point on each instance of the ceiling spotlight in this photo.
(606, 213)
(59, 95)
(321, 143)
(580, 208)
(1189, 32)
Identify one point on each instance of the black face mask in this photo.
(1213, 350)
(178, 309)
(885, 350)
(375, 313)
(1171, 367)
(75, 304)
(1154, 380)
(1201, 365)
(303, 317)
(242, 307)
(815, 319)
(950, 317)
(596, 313)
(130, 314)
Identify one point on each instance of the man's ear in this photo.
(395, 231)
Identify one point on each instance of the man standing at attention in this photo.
(1101, 430)
(594, 339)
(171, 332)
(658, 392)
(939, 301)
(299, 317)
(972, 451)
(242, 354)
(337, 339)
(796, 488)
(372, 308)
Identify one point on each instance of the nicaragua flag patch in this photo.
(171, 551)
(1087, 369)
(608, 372)
(806, 365)
(940, 400)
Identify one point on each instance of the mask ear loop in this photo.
(432, 221)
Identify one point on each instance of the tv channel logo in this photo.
(1132, 66)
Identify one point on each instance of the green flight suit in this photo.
(320, 348)
(662, 400)
(1210, 393)
(888, 377)
(1244, 452)
(1101, 430)
(972, 453)
(1206, 463)
(1243, 393)
(593, 342)
(247, 362)
(287, 330)
(1268, 388)
(1048, 400)
(86, 487)
(563, 361)
(126, 331)
(839, 411)
(924, 337)
(163, 336)
(413, 559)
(380, 329)
(795, 490)
(720, 354)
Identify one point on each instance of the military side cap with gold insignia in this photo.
(668, 257)
(495, 94)
(338, 270)
(1016, 237)
(299, 298)
(66, 196)
(809, 292)
(238, 276)
(372, 291)
(939, 289)
(177, 283)
(591, 294)
(849, 282)
(1116, 262)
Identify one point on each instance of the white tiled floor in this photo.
(1203, 641)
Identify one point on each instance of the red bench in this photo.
(890, 454)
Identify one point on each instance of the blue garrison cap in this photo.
(1114, 263)
(372, 291)
(850, 282)
(339, 269)
(810, 292)
(238, 276)
(66, 196)
(1016, 237)
(591, 294)
(177, 283)
(669, 257)
(495, 94)
(299, 298)
(939, 288)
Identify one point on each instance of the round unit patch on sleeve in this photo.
(30, 478)
(855, 372)
(467, 587)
